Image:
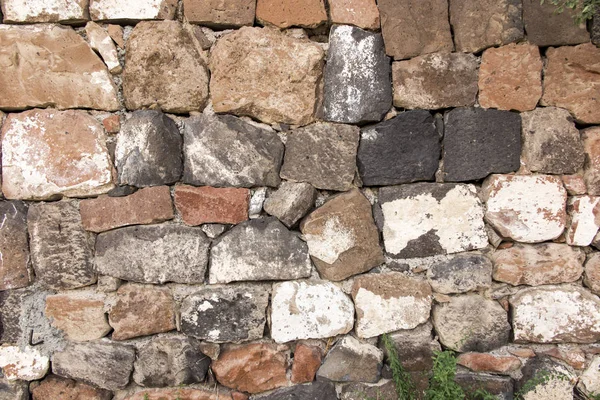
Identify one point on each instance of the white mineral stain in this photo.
(332, 242)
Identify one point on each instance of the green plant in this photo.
(441, 383)
(540, 378)
(146, 397)
(405, 387)
(584, 9)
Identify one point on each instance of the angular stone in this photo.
(56, 387)
(460, 274)
(435, 81)
(572, 355)
(589, 381)
(183, 393)
(14, 245)
(135, 10)
(350, 360)
(213, 230)
(528, 209)
(153, 254)
(14, 390)
(555, 314)
(13, 310)
(291, 202)
(415, 347)
(425, 219)
(357, 77)
(61, 250)
(252, 368)
(572, 81)
(79, 315)
(470, 322)
(112, 124)
(591, 278)
(584, 220)
(483, 362)
(267, 75)
(546, 27)
(403, 149)
(256, 202)
(226, 314)
(200, 205)
(26, 364)
(389, 302)
(361, 13)
(510, 77)
(591, 146)
(70, 152)
(479, 142)
(101, 42)
(226, 151)
(297, 311)
(307, 360)
(287, 13)
(500, 386)
(116, 34)
(56, 68)
(103, 364)
(166, 67)
(342, 237)
(63, 11)
(538, 264)
(424, 30)
(217, 14)
(383, 390)
(575, 184)
(543, 378)
(314, 391)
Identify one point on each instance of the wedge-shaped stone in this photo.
(79, 315)
(56, 387)
(351, 360)
(591, 147)
(14, 245)
(307, 360)
(584, 220)
(287, 13)
(460, 274)
(546, 27)
(100, 41)
(26, 364)
(134, 10)
(291, 202)
(217, 14)
(64, 11)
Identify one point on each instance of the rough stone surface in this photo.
(483, 362)
(591, 278)
(56, 68)
(425, 219)
(350, 360)
(510, 77)
(361, 13)
(572, 81)
(61, 250)
(546, 27)
(56, 387)
(460, 274)
(218, 14)
(342, 237)
(226, 151)
(434, 81)
(166, 67)
(591, 147)
(538, 264)
(14, 390)
(100, 41)
(479, 142)
(201, 393)
(383, 390)
(424, 30)
(13, 309)
(291, 202)
(64, 11)
(200, 205)
(584, 220)
(135, 10)
(284, 71)
(226, 314)
(287, 13)
(307, 360)
(322, 154)
(79, 315)
(403, 149)
(500, 386)
(595, 30)
(471, 322)
(70, 152)
(357, 77)
(314, 391)
(26, 364)
(415, 347)
(14, 245)
(575, 184)
(390, 302)
(153, 254)
(528, 209)
(555, 382)
(555, 314)
(589, 381)
(296, 311)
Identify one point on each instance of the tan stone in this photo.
(80, 315)
(201, 205)
(267, 75)
(575, 184)
(182, 393)
(572, 81)
(99, 40)
(220, 14)
(112, 124)
(510, 77)
(522, 352)
(69, 150)
(591, 147)
(591, 279)
(132, 10)
(584, 220)
(116, 34)
(286, 13)
(64, 11)
(361, 13)
(51, 65)
(55, 387)
(146, 206)
(483, 362)
(14, 246)
(307, 360)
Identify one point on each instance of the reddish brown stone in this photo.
(591, 147)
(116, 34)
(483, 362)
(181, 394)
(522, 352)
(220, 14)
(80, 315)
(112, 124)
(575, 184)
(206, 204)
(14, 245)
(54, 387)
(146, 206)
(307, 360)
(591, 278)
(361, 13)
(572, 355)
(286, 13)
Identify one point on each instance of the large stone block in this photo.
(14, 245)
(64, 11)
(546, 27)
(218, 14)
(460, 274)
(56, 387)
(287, 13)
(201, 205)
(79, 315)
(134, 10)
(351, 360)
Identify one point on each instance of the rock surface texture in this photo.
(135, 10)
(14, 246)
(64, 11)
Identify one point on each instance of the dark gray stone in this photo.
(148, 151)
(546, 27)
(463, 273)
(403, 149)
(226, 314)
(13, 390)
(11, 306)
(222, 151)
(14, 245)
(383, 390)
(312, 391)
(415, 347)
(479, 142)
(501, 386)
(543, 378)
(358, 85)
(350, 360)
(122, 191)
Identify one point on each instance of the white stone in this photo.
(44, 10)
(100, 41)
(25, 364)
(256, 202)
(132, 9)
(584, 213)
(589, 381)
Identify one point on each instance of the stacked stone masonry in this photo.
(207, 200)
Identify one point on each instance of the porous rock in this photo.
(415, 347)
(591, 278)
(591, 147)
(26, 364)
(56, 387)
(79, 315)
(13, 309)
(584, 220)
(546, 27)
(314, 391)
(218, 14)
(14, 245)
(350, 360)
(543, 378)
(200, 205)
(361, 13)
(134, 10)
(291, 202)
(460, 274)
(287, 13)
(500, 386)
(484, 362)
(64, 11)
(307, 360)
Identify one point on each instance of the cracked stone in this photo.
(79, 315)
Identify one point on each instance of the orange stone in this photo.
(287, 13)
(572, 355)
(54, 387)
(80, 315)
(484, 362)
(307, 360)
(112, 124)
(219, 13)
(361, 13)
(206, 204)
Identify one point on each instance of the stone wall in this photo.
(235, 199)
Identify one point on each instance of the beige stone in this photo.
(361, 13)
(575, 184)
(56, 387)
(591, 278)
(483, 362)
(220, 14)
(132, 10)
(26, 363)
(64, 11)
(287, 13)
(79, 315)
(584, 220)
(591, 147)
(100, 40)
(116, 34)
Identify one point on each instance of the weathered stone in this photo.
(539, 264)
(500, 386)
(322, 154)
(542, 378)
(13, 310)
(256, 202)
(434, 81)
(342, 237)
(267, 75)
(226, 151)
(307, 360)
(595, 29)
(297, 311)
(287, 13)
(14, 246)
(350, 360)
(575, 184)
(571, 81)
(383, 390)
(314, 391)
(425, 219)
(26, 364)
(107, 284)
(361, 13)
(591, 147)
(101, 42)
(479, 142)
(64, 11)
(403, 149)
(14, 390)
(291, 202)
(61, 250)
(589, 381)
(570, 354)
(528, 209)
(141, 310)
(415, 347)
(166, 67)
(217, 14)
(555, 314)
(510, 77)
(546, 27)
(424, 30)
(135, 10)
(252, 368)
(79, 315)
(112, 124)
(200, 205)
(471, 322)
(102, 364)
(483, 362)
(591, 278)
(56, 387)
(460, 274)
(584, 220)
(183, 393)
(213, 230)
(70, 152)
(357, 77)
(389, 302)
(116, 34)
(153, 254)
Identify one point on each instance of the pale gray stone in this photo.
(350, 360)
(291, 202)
(460, 274)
